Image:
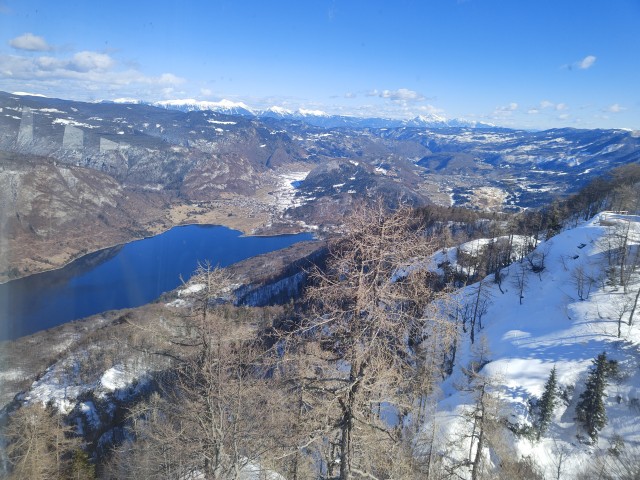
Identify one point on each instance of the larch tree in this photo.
(218, 411)
(369, 323)
(39, 445)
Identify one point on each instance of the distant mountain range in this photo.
(125, 169)
(316, 118)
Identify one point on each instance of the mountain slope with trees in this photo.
(387, 367)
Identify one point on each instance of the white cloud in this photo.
(350, 95)
(533, 111)
(87, 61)
(430, 109)
(401, 95)
(206, 92)
(564, 116)
(546, 104)
(30, 42)
(615, 108)
(169, 79)
(81, 62)
(586, 62)
(505, 110)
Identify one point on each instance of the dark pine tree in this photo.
(547, 403)
(590, 410)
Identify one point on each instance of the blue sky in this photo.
(529, 64)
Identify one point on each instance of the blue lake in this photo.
(125, 276)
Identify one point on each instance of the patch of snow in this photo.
(253, 471)
(73, 123)
(49, 110)
(221, 122)
(27, 94)
(177, 303)
(117, 378)
(90, 412)
(195, 288)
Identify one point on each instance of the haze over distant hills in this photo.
(128, 170)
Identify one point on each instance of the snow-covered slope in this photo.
(551, 327)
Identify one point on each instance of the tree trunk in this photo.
(347, 428)
(635, 305)
(475, 470)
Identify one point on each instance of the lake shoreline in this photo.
(126, 275)
(266, 232)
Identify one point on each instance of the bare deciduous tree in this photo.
(40, 445)
(521, 279)
(219, 412)
(583, 281)
(370, 325)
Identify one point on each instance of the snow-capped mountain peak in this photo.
(126, 100)
(279, 110)
(312, 113)
(430, 118)
(314, 117)
(223, 106)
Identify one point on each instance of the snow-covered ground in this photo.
(520, 245)
(285, 194)
(554, 327)
(64, 384)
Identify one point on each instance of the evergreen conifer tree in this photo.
(590, 410)
(547, 403)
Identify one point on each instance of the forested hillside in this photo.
(428, 343)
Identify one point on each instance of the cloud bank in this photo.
(52, 72)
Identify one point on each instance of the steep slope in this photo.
(568, 314)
